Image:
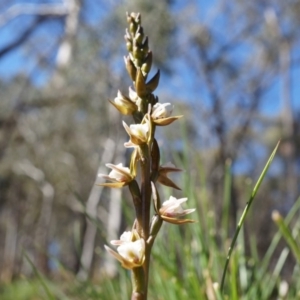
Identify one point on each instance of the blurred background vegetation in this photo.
(231, 67)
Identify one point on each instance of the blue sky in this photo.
(18, 61)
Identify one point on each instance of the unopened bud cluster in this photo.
(137, 44)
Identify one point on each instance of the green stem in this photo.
(145, 189)
(138, 284)
(226, 197)
(137, 201)
(146, 204)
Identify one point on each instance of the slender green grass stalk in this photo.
(226, 197)
(39, 276)
(92, 219)
(266, 260)
(286, 233)
(242, 219)
(233, 281)
(262, 278)
(273, 279)
(242, 261)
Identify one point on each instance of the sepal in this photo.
(163, 175)
(166, 121)
(155, 155)
(153, 82)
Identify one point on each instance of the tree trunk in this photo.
(91, 210)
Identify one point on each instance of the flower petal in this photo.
(138, 133)
(119, 176)
(124, 104)
(177, 221)
(131, 249)
(113, 184)
(133, 252)
(161, 110)
(171, 210)
(120, 173)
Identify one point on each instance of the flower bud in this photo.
(132, 28)
(137, 52)
(146, 66)
(130, 67)
(129, 46)
(138, 18)
(139, 37)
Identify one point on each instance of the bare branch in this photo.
(22, 37)
(91, 210)
(32, 9)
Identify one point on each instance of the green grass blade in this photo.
(262, 273)
(39, 276)
(242, 219)
(286, 233)
(226, 199)
(273, 280)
